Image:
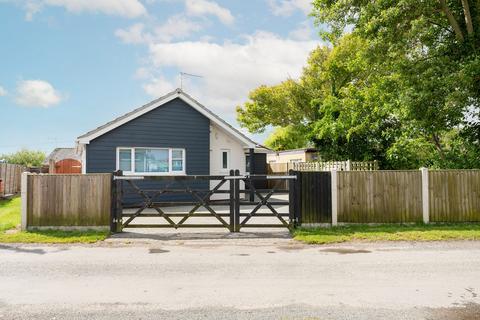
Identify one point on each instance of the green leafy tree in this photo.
(336, 106)
(431, 47)
(403, 88)
(289, 137)
(28, 158)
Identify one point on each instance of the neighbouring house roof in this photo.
(297, 151)
(178, 93)
(259, 148)
(62, 153)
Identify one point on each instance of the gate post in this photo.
(117, 207)
(295, 189)
(237, 201)
(252, 172)
(113, 222)
(291, 199)
(232, 202)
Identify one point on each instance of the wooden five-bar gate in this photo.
(136, 197)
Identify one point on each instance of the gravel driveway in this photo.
(252, 275)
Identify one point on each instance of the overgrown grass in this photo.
(418, 232)
(9, 214)
(10, 219)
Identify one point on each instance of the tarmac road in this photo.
(246, 276)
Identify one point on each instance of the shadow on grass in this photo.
(5, 202)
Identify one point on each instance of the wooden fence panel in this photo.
(279, 169)
(11, 175)
(454, 195)
(315, 197)
(379, 196)
(68, 200)
(335, 165)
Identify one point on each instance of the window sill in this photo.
(154, 174)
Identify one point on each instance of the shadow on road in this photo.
(22, 250)
(201, 235)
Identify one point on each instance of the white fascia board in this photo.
(189, 101)
(216, 121)
(87, 139)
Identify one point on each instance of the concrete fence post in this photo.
(24, 198)
(334, 184)
(425, 196)
(349, 165)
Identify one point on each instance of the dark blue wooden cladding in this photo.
(315, 197)
(172, 125)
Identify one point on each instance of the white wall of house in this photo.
(221, 141)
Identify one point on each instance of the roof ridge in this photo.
(129, 113)
(219, 118)
(180, 93)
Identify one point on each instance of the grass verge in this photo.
(9, 214)
(418, 232)
(10, 221)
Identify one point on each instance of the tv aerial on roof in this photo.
(185, 74)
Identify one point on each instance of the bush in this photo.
(28, 158)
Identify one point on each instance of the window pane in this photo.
(177, 154)
(177, 160)
(224, 159)
(140, 160)
(177, 165)
(151, 160)
(125, 161)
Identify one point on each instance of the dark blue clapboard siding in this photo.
(172, 125)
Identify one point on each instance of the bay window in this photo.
(151, 161)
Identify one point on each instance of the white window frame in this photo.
(228, 160)
(132, 159)
(169, 173)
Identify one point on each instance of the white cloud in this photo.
(303, 32)
(123, 8)
(142, 73)
(158, 86)
(205, 7)
(288, 7)
(229, 70)
(31, 8)
(37, 93)
(176, 27)
(3, 92)
(134, 34)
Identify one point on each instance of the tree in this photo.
(402, 88)
(28, 158)
(289, 137)
(433, 49)
(336, 106)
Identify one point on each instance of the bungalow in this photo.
(171, 135)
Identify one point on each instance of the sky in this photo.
(68, 66)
